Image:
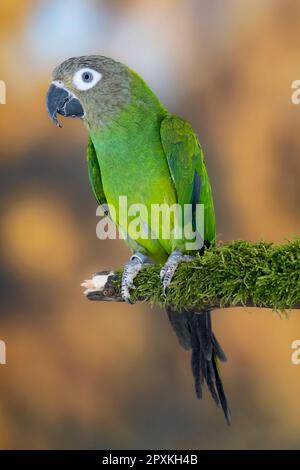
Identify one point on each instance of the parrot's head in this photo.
(93, 88)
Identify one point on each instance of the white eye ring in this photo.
(86, 78)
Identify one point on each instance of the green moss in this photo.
(237, 273)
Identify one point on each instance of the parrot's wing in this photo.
(94, 173)
(187, 168)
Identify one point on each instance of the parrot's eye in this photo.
(85, 79)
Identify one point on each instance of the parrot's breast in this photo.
(133, 166)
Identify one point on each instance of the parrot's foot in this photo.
(131, 269)
(168, 270)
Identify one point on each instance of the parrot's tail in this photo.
(194, 332)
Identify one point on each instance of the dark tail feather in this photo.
(194, 332)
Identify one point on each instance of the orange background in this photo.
(91, 375)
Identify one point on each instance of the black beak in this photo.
(60, 100)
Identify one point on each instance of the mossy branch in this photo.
(228, 275)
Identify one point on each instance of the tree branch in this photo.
(229, 275)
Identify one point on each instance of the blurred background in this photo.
(91, 375)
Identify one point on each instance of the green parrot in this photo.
(137, 149)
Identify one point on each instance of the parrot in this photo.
(137, 149)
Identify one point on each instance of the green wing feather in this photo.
(187, 168)
(94, 173)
